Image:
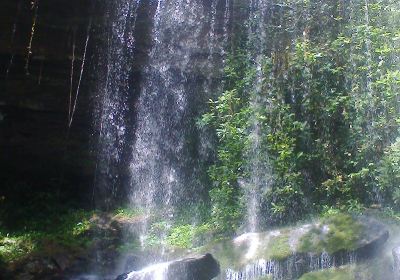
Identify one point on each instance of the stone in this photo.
(201, 268)
(288, 253)
(196, 268)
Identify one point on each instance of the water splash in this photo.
(153, 272)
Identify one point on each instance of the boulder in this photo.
(290, 252)
(196, 268)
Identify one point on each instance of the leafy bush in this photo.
(68, 230)
(327, 111)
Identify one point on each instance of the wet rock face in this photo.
(197, 268)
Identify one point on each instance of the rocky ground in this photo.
(106, 244)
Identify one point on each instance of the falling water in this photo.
(256, 271)
(114, 109)
(165, 168)
(258, 168)
(153, 272)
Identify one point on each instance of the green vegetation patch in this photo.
(330, 274)
(335, 233)
(15, 246)
(128, 213)
(68, 231)
(186, 236)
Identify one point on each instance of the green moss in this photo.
(334, 233)
(279, 248)
(330, 274)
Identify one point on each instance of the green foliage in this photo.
(187, 236)
(13, 247)
(156, 234)
(68, 230)
(389, 173)
(327, 109)
(179, 236)
(229, 116)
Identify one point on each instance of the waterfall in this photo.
(165, 166)
(258, 167)
(255, 271)
(114, 104)
(151, 95)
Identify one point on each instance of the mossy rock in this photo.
(345, 273)
(252, 247)
(338, 239)
(333, 234)
(279, 248)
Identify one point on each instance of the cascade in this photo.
(258, 167)
(256, 271)
(165, 165)
(114, 101)
(189, 41)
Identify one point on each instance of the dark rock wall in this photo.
(37, 151)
